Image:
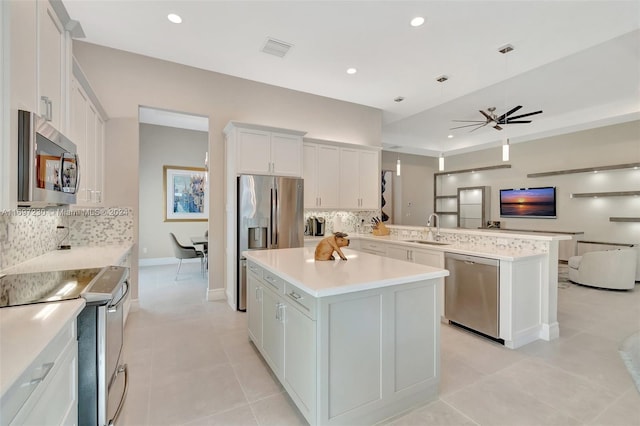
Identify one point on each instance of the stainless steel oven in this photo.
(102, 375)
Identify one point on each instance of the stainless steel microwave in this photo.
(48, 164)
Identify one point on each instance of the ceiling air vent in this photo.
(276, 47)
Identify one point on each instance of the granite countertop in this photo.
(74, 258)
(493, 252)
(490, 251)
(25, 331)
(362, 271)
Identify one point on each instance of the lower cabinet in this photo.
(354, 358)
(416, 255)
(273, 330)
(254, 309)
(300, 359)
(47, 393)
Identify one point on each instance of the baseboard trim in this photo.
(216, 294)
(157, 261)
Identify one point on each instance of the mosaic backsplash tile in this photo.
(28, 233)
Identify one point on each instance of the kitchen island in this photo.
(352, 342)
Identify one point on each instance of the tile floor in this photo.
(191, 364)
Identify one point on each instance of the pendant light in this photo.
(505, 150)
(441, 162)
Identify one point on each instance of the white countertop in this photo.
(362, 271)
(74, 258)
(26, 330)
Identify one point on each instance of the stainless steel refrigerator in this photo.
(270, 216)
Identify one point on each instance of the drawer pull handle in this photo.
(295, 295)
(46, 367)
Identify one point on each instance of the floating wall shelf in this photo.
(585, 170)
(624, 219)
(441, 197)
(477, 169)
(605, 194)
(445, 213)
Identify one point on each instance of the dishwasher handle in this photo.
(471, 259)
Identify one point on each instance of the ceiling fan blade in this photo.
(470, 121)
(524, 115)
(497, 127)
(516, 122)
(482, 125)
(489, 118)
(467, 125)
(514, 109)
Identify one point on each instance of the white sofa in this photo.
(615, 269)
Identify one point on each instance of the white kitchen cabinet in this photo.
(52, 66)
(285, 335)
(254, 308)
(359, 179)
(300, 356)
(47, 393)
(321, 176)
(417, 255)
(350, 358)
(265, 151)
(273, 330)
(87, 132)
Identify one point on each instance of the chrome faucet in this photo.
(437, 236)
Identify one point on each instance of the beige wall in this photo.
(124, 81)
(165, 146)
(413, 189)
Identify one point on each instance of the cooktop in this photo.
(39, 287)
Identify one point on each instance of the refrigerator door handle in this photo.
(273, 220)
(276, 230)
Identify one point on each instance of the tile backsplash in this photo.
(28, 233)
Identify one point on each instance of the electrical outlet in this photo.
(144, 250)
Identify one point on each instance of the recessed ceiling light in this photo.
(176, 19)
(417, 21)
(351, 70)
(399, 99)
(442, 79)
(450, 136)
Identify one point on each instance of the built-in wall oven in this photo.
(102, 375)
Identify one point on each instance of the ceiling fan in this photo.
(492, 118)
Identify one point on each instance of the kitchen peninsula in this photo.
(352, 342)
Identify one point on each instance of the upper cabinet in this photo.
(359, 179)
(52, 69)
(321, 176)
(87, 131)
(265, 151)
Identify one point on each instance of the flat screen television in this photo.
(528, 202)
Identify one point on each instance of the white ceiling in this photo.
(578, 61)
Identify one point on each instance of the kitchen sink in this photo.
(431, 243)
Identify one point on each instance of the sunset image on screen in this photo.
(527, 202)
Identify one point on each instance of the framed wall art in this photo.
(185, 194)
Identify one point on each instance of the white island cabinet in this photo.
(352, 342)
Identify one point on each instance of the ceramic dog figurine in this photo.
(326, 246)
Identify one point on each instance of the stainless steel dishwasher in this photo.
(472, 293)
